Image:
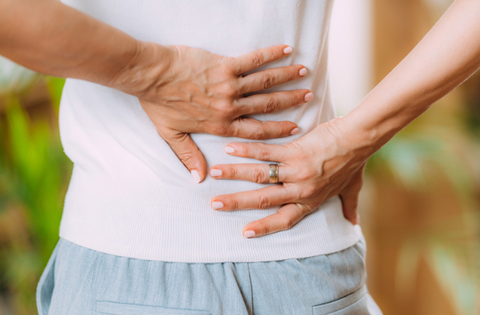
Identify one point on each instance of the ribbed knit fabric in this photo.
(129, 195)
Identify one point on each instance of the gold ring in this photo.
(274, 171)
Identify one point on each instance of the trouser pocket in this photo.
(355, 303)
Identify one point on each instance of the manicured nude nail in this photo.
(294, 131)
(249, 233)
(229, 149)
(302, 72)
(195, 175)
(217, 205)
(215, 172)
(287, 50)
(308, 96)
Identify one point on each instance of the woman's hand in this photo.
(201, 92)
(183, 90)
(325, 162)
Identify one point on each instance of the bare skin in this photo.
(183, 90)
(330, 160)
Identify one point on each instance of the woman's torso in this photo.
(130, 195)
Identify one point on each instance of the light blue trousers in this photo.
(81, 281)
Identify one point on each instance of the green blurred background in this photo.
(420, 205)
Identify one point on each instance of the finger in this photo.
(349, 196)
(259, 57)
(249, 128)
(271, 102)
(349, 206)
(256, 199)
(258, 151)
(265, 79)
(285, 218)
(258, 173)
(187, 151)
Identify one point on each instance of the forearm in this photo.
(52, 38)
(448, 55)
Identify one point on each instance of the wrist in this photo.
(379, 117)
(145, 70)
(364, 137)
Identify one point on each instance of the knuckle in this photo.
(257, 59)
(225, 70)
(306, 209)
(288, 223)
(266, 229)
(272, 105)
(229, 60)
(186, 157)
(263, 202)
(259, 176)
(178, 139)
(268, 80)
(290, 75)
(298, 99)
(264, 154)
(228, 89)
(234, 204)
(224, 108)
(233, 173)
(275, 54)
(257, 135)
(220, 130)
(166, 133)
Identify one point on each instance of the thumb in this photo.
(187, 151)
(349, 196)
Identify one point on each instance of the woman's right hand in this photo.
(190, 90)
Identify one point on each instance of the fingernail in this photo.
(308, 96)
(196, 176)
(294, 131)
(358, 219)
(217, 205)
(287, 50)
(249, 233)
(229, 149)
(302, 72)
(215, 172)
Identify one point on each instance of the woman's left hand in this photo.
(327, 161)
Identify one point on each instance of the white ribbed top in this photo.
(129, 195)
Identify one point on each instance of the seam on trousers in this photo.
(251, 288)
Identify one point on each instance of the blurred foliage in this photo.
(452, 250)
(436, 147)
(34, 174)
